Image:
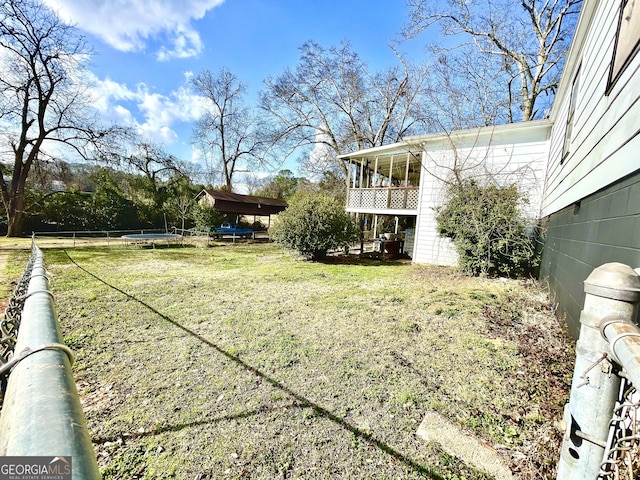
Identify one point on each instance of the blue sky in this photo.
(146, 50)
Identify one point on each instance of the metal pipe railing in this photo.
(41, 413)
(607, 350)
(624, 345)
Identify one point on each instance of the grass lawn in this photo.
(245, 362)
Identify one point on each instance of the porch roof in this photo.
(383, 150)
(416, 144)
(384, 155)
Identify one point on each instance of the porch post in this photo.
(375, 175)
(406, 171)
(390, 182)
(405, 192)
(348, 185)
(367, 173)
(375, 181)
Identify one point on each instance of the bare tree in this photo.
(227, 132)
(180, 206)
(531, 38)
(467, 94)
(159, 169)
(331, 102)
(44, 100)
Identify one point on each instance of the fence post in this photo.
(612, 289)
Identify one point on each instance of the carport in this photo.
(242, 205)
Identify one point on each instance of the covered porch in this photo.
(383, 180)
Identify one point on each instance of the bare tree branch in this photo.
(331, 102)
(534, 39)
(228, 131)
(44, 101)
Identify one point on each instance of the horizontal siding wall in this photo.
(429, 247)
(605, 137)
(513, 157)
(603, 228)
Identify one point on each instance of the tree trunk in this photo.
(17, 200)
(15, 215)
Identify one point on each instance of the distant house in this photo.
(242, 205)
(581, 167)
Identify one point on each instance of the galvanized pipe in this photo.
(41, 414)
(624, 345)
(612, 290)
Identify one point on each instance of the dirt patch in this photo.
(365, 259)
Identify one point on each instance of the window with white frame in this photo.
(570, 118)
(627, 42)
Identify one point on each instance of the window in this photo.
(570, 117)
(627, 41)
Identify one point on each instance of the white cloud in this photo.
(153, 115)
(127, 25)
(197, 155)
(321, 153)
(186, 44)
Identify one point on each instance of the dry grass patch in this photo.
(244, 362)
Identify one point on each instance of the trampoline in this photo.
(152, 238)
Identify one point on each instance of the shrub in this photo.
(488, 229)
(313, 224)
(105, 209)
(206, 218)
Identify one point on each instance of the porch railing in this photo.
(395, 198)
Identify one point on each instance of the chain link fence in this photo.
(622, 452)
(11, 322)
(41, 414)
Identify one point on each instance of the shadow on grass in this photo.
(208, 421)
(364, 260)
(302, 402)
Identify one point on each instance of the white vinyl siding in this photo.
(429, 247)
(505, 155)
(605, 142)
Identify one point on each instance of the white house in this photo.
(408, 180)
(581, 167)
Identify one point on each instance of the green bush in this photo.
(488, 229)
(206, 218)
(105, 209)
(313, 224)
